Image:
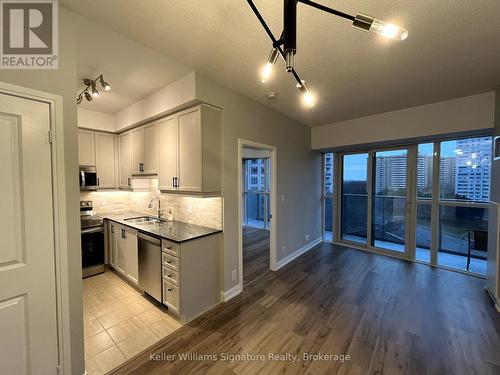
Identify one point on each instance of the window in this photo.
(354, 197)
(464, 183)
(328, 197)
(256, 196)
(465, 169)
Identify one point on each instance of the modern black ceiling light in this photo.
(286, 45)
(91, 85)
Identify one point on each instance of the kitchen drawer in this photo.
(170, 261)
(171, 247)
(171, 275)
(171, 296)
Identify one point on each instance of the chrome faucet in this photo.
(160, 211)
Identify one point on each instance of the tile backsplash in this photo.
(193, 210)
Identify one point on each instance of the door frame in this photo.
(59, 216)
(242, 143)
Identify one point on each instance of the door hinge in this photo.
(50, 135)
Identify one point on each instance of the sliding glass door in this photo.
(390, 200)
(427, 202)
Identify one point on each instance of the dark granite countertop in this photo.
(176, 231)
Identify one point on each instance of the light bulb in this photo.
(389, 30)
(266, 72)
(308, 99)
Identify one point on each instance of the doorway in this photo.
(257, 182)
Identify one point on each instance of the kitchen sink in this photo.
(144, 220)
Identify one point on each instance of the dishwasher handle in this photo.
(153, 240)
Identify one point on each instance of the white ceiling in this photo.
(133, 70)
(453, 50)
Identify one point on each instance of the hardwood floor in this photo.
(388, 315)
(255, 254)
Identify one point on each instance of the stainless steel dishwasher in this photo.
(150, 265)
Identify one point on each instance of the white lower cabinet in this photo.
(191, 275)
(171, 296)
(123, 252)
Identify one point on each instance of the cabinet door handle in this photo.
(169, 261)
(141, 167)
(128, 181)
(169, 289)
(173, 182)
(97, 181)
(168, 247)
(169, 275)
(112, 229)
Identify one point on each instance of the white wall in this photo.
(299, 170)
(95, 120)
(166, 100)
(472, 113)
(63, 82)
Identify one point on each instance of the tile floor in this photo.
(119, 322)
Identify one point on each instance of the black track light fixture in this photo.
(91, 85)
(286, 45)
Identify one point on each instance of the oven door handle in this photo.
(82, 173)
(93, 230)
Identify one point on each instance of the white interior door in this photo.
(28, 322)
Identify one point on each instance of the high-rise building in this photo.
(447, 176)
(473, 157)
(329, 174)
(391, 173)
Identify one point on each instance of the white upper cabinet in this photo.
(144, 157)
(124, 157)
(167, 140)
(137, 147)
(183, 149)
(151, 149)
(190, 151)
(105, 159)
(86, 153)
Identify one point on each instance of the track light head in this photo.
(95, 93)
(88, 96)
(289, 60)
(268, 68)
(368, 23)
(104, 84)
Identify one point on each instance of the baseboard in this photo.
(283, 262)
(231, 293)
(492, 296)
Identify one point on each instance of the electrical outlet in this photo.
(233, 275)
(282, 249)
(189, 209)
(307, 237)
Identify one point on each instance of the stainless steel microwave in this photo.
(88, 178)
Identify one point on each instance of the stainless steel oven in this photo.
(88, 178)
(92, 236)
